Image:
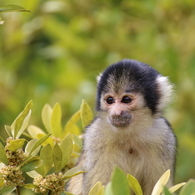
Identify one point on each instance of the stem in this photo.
(17, 190)
(49, 192)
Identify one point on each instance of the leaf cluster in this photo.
(122, 184)
(45, 156)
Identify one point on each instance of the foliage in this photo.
(119, 185)
(47, 157)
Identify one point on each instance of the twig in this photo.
(17, 190)
(49, 192)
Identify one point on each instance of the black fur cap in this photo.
(138, 76)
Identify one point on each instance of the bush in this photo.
(49, 157)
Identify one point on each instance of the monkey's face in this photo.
(129, 92)
(121, 108)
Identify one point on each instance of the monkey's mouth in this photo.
(122, 120)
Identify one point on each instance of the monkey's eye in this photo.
(110, 100)
(126, 100)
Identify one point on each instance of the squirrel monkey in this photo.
(129, 130)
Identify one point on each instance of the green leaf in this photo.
(21, 122)
(29, 186)
(176, 187)
(46, 117)
(28, 160)
(7, 190)
(77, 145)
(86, 114)
(35, 131)
(158, 188)
(32, 174)
(13, 8)
(39, 142)
(134, 184)
(189, 188)
(29, 147)
(1, 183)
(57, 158)
(8, 130)
(56, 127)
(166, 191)
(3, 157)
(68, 193)
(97, 189)
(15, 144)
(31, 165)
(66, 147)
(119, 183)
(72, 172)
(47, 160)
(71, 126)
(108, 189)
(2, 140)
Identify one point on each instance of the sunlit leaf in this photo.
(15, 144)
(46, 117)
(32, 174)
(56, 127)
(77, 144)
(1, 183)
(100, 191)
(158, 188)
(47, 160)
(13, 8)
(72, 172)
(176, 187)
(66, 146)
(97, 189)
(189, 188)
(134, 184)
(39, 142)
(8, 130)
(29, 186)
(119, 182)
(29, 147)
(48, 141)
(57, 158)
(68, 193)
(86, 114)
(108, 189)
(24, 125)
(31, 165)
(71, 126)
(3, 157)
(21, 122)
(35, 131)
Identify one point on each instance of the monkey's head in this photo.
(128, 87)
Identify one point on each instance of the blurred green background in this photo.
(55, 53)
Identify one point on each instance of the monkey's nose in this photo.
(121, 120)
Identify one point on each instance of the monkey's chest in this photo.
(133, 159)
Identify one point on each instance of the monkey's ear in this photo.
(99, 77)
(165, 90)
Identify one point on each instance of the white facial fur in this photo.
(165, 89)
